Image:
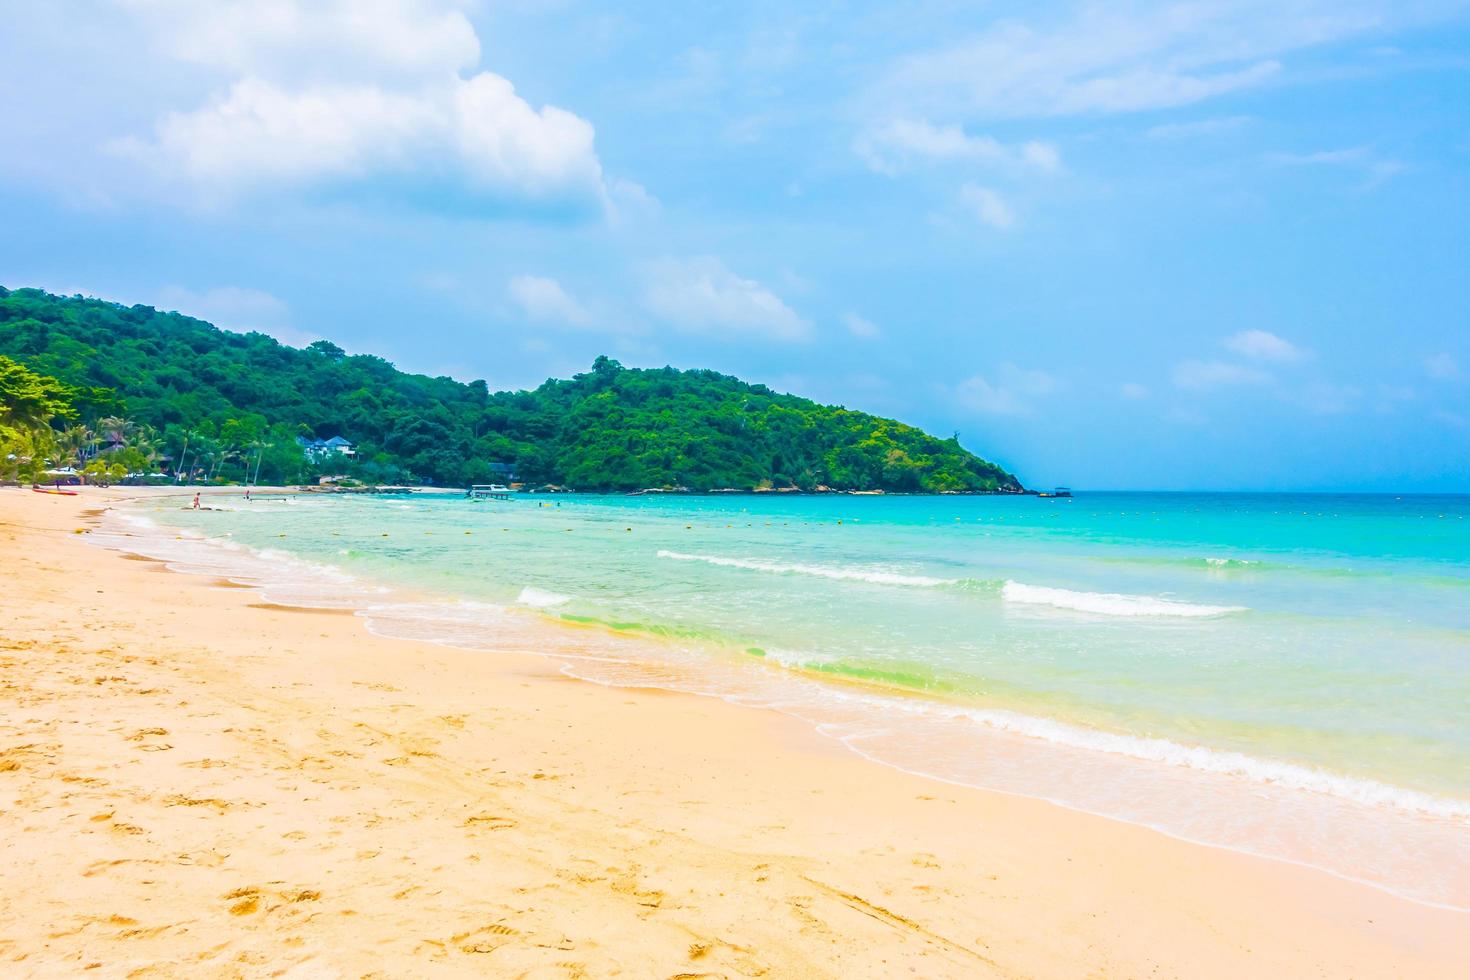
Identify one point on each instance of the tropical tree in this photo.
(219, 397)
(29, 400)
(116, 431)
(71, 446)
(28, 404)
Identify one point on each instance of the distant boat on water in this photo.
(1058, 492)
(490, 491)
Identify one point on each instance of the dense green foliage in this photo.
(240, 400)
(29, 402)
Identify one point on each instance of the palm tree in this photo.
(71, 445)
(117, 431)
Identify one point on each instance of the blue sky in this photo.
(1154, 245)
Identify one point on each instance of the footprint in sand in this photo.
(144, 733)
(180, 800)
(489, 821)
(486, 940)
(246, 900)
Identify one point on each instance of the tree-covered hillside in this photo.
(241, 399)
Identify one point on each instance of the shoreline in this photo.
(1362, 828)
(810, 859)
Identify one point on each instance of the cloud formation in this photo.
(1015, 391)
(1116, 58)
(860, 326)
(1196, 127)
(349, 92)
(988, 206)
(313, 39)
(702, 296)
(1264, 346)
(903, 143)
(543, 299)
(1206, 375)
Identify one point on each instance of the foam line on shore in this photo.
(875, 576)
(1109, 603)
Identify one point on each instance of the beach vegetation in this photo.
(29, 403)
(218, 405)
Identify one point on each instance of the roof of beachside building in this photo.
(336, 441)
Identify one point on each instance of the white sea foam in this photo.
(1291, 775)
(1163, 751)
(1108, 603)
(876, 576)
(285, 577)
(541, 599)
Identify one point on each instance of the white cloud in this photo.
(505, 142)
(903, 143)
(630, 199)
(345, 91)
(860, 326)
(1375, 169)
(1108, 58)
(313, 38)
(1132, 391)
(544, 300)
(987, 205)
(237, 308)
(1350, 155)
(1204, 375)
(1197, 127)
(1442, 367)
(702, 296)
(1014, 392)
(1264, 346)
(1042, 156)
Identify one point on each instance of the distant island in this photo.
(109, 389)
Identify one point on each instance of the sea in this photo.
(1286, 675)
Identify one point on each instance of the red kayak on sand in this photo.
(63, 493)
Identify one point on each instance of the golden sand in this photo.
(197, 783)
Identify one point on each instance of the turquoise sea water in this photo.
(1283, 674)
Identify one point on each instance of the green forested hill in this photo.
(243, 396)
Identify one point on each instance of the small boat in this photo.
(489, 491)
(57, 491)
(1058, 492)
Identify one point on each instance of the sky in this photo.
(1202, 245)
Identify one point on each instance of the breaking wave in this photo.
(541, 598)
(875, 576)
(1109, 603)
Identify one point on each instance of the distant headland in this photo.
(139, 394)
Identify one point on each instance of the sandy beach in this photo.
(194, 782)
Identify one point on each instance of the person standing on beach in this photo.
(196, 501)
